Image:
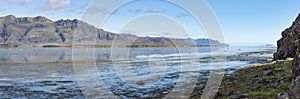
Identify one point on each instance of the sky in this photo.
(242, 21)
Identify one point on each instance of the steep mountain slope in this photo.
(39, 31)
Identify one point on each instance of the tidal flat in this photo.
(143, 73)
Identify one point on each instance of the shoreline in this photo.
(265, 81)
(102, 46)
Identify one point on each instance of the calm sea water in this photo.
(136, 72)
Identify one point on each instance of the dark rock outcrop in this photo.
(289, 46)
(5, 35)
(42, 19)
(289, 43)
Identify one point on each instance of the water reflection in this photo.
(44, 55)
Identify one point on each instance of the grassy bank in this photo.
(263, 81)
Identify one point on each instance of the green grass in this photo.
(284, 86)
(263, 95)
(251, 81)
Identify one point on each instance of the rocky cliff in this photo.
(289, 46)
(39, 31)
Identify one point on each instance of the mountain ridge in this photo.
(41, 31)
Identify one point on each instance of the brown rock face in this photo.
(289, 46)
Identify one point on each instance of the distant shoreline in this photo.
(103, 46)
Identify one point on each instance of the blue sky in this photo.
(242, 21)
(255, 21)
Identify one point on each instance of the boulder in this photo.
(268, 73)
(240, 96)
(225, 93)
(283, 95)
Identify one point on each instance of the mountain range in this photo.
(41, 31)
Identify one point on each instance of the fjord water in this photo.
(49, 72)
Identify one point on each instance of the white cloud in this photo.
(2, 10)
(58, 4)
(21, 2)
(52, 5)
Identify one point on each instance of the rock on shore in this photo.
(289, 46)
